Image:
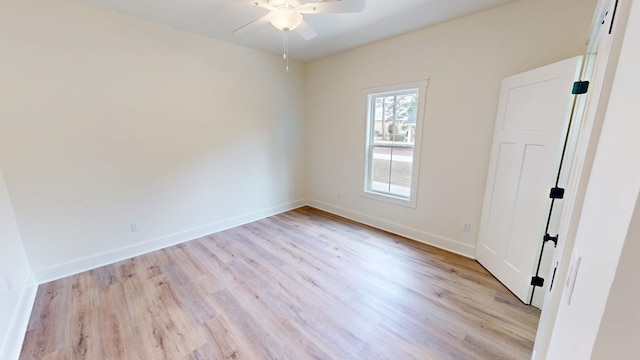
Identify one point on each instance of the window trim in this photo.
(368, 95)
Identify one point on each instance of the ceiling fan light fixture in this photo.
(285, 19)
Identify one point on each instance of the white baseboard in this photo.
(18, 328)
(110, 257)
(413, 234)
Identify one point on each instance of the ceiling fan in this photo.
(287, 15)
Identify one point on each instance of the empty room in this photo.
(319, 179)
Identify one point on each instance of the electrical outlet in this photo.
(134, 227)
(466, 226)
(339, 196)
(290, 191)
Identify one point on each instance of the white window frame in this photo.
(369, 93)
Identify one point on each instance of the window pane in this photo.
(379, 132)
(381, 169)
(406, 106)
(401, 165)
(391, 170)
(377, 111)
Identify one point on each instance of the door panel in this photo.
(504, 200)
(523, 114)
(532, 118)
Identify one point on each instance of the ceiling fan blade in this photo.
(336, 6)
(260, 3)
(252, 25)
(305, 31)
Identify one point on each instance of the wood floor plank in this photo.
(300, 285)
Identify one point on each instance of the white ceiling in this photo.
(336, 32)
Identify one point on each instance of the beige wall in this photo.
(107, 120)
(465, 60)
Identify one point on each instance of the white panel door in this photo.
(533, 115)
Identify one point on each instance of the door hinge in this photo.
(537, 281)
(554, 239)
(580, 87)
(556, 193)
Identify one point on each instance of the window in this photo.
(394, 117)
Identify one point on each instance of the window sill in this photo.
(395, 200)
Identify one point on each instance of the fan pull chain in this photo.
(285, 55)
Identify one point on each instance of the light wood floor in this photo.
(300, 285)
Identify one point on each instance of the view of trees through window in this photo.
(391, 146)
